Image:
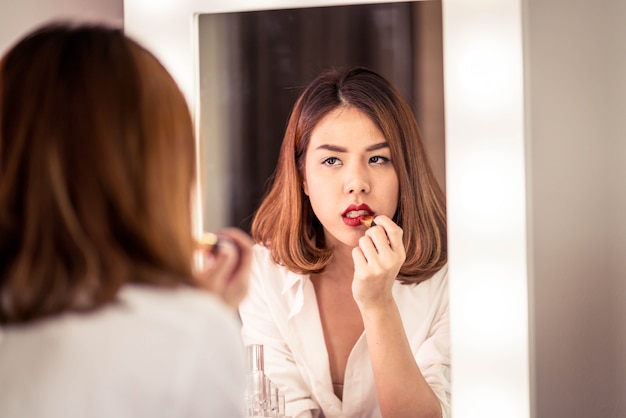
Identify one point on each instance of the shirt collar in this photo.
(293, 289)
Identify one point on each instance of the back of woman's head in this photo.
(97, 162)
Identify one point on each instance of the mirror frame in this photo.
(485, 180)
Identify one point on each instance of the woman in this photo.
(354, 320)
(102, 312)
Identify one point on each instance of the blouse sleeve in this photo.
(433, 355)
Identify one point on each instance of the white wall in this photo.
(576, 76)
(20, 16)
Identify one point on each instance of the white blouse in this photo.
(281, 313)
(156, 352)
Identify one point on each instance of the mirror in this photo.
(254, 64)
(484, 178)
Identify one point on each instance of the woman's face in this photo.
(349, 173)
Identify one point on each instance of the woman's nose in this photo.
(357, 181)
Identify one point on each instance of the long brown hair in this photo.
(285, 222)
(97, 161)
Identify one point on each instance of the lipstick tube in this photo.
(367, 220)
(211, 243)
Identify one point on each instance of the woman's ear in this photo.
(305, 188)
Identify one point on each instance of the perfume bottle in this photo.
(256, 399)
(263, 398)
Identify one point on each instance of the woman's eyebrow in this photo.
(333, 148)
(336, 148)
(378, 146)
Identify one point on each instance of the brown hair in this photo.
(97, 161)
(285, 222)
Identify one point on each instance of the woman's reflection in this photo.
(353, 320)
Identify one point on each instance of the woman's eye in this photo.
(379, 159)
(331, 161)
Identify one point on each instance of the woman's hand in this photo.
(377, 261)
(227, 267)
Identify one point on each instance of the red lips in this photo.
(361, 207)
(352, 214)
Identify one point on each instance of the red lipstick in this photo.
(367, 220)
(213, 244)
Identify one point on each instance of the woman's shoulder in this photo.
(260, 251)
(262, 260)
(441, 276)
(435, 284)
(268, 275)
(196, 308)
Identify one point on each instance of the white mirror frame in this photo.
(485, 180)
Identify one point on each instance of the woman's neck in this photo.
(341, 265)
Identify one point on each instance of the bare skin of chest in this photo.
(341, 322)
